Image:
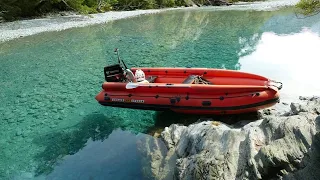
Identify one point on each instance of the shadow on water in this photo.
(69, 141)
(166, 118)
(98, 127)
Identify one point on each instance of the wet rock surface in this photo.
(280, 144)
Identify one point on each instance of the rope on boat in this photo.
(187, 97)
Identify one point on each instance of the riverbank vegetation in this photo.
(308, 7)
(19, 9)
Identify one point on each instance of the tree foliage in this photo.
(16, 9)
(307, 7)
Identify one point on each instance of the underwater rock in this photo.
(82, 113)
(276, 146)
(19, 132)
(23, 95)
(21, 119)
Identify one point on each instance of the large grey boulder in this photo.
(276, 146)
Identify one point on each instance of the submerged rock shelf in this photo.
(279, 145)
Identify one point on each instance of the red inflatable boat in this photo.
(189, 90)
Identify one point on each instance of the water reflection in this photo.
(96, 127)
(289, 23)
(184, 38)
(114, 158)
(97, 148)
(292, 59)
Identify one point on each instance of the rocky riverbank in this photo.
(281, 144)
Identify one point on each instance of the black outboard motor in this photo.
(114, 73)
(117, 73)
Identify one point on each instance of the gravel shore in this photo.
(62, 21)
(16, 29)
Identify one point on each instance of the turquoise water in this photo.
(51, 127)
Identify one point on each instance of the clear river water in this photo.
(51, 127)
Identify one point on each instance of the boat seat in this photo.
(195, 79)
(190, 79)
(151, 79)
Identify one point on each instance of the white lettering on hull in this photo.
(127, 100)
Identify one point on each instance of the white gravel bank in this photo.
(12, 30)
(16, 29)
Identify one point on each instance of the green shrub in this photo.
(308, 6)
